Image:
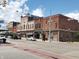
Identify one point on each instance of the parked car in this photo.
(31, 39)
(2, 38)
(16, 37)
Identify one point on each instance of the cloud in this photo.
(74, 15)
(38, 12)
(13, 10)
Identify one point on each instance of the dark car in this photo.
(2, 38)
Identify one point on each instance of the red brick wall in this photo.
(42, 22)
(54, 22)
(45, 25)
(57, 22)
(14, 29)
(64, 23)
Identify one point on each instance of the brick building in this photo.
(62, 27)
(27, 26)
(12, 26)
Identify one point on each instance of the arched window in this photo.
(24, 26)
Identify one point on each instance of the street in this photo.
(59, 50)
(39, 29)
(23, 49)
(8, 52)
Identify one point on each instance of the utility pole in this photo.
(49, 24)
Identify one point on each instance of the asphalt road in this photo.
(7, 52)
(64, 49)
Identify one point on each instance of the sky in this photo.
(16, 8)
(13, 10)
(69, 8)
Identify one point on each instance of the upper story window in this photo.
(46, 22)
(29, 26)
(32, 25)
(24, 26)
(55, 25)
(38, 25)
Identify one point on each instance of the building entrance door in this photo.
(37, 35)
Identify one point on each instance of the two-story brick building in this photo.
(27, 25)
(62, 28)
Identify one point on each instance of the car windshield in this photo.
(30, 36)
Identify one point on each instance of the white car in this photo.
(31, 39)
(2, 38)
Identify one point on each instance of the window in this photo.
(38, 25)
(46, 22)
(28, 26)
(35, 25)
(24, 26)
(55, 25)
(32, 25)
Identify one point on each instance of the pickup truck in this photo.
(2, 38)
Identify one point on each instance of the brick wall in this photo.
(68, 23)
